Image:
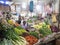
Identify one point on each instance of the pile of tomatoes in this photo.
(31, 39)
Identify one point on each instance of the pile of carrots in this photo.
(16, 24)
(31, 39)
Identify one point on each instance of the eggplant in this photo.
(54, 29)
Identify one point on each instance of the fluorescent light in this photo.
(1, 1)
(7, 2)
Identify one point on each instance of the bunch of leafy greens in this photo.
(45, 30)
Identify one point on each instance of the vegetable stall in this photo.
(13, 34)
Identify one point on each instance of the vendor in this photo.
(25, 25)
(22, 20)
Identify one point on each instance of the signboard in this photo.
(31, 6)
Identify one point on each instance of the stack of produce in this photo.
(16, 24)
(29, 21)
(45, 30)
(19, 30)
(35, 34)
(38, 26)
(8, 36)
(11, 22)
(31, 39)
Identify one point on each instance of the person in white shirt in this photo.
(24, 25)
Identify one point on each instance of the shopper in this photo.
(54, 19)
(4, 15)
(19, 19)
(22, 20)
(8, 16)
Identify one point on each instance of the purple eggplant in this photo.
(54, 29)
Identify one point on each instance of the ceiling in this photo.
(27, 1)
(19, 1)
(9, 0)
(5, 0)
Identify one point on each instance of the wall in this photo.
(57, 6)
(4, 8)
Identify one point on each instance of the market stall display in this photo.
(16, 35)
